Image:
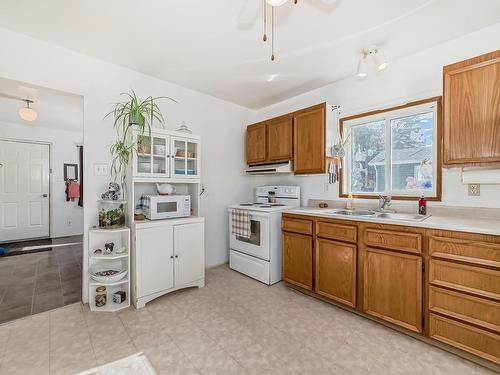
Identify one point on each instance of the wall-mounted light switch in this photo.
(474, 190)
(100, 169)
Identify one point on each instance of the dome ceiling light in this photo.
(373, 55)
(27, 113)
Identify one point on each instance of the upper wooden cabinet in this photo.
(309, 140)
(280, 138)
(300, 136)
(256, 143)
(472, 111)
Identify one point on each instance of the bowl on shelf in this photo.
(144, 167)
(107, 276)
(160, 150)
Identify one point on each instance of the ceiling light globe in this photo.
(362, 67)
(380, 60)
(276, 3)
(28, 114)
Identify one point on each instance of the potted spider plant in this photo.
(133, 114)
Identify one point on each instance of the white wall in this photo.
(414, 77)
(62, 150)
(221, 124)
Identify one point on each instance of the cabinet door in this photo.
(336, 271)
(256, 143)
(309, 140)
(297, 259)
(154, 259)
(392, 284)
(143, 163)
(472, 111)
(189, 253)
(161, 151)
(185, 157)
(280, 139)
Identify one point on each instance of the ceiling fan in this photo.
(250, 11)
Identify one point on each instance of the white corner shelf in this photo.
(121, 238)
(109, 257)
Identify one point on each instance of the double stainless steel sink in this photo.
(378, 215)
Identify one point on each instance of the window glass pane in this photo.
(412, 154)
(367, 157)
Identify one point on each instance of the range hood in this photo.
(277, 168)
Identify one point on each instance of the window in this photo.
(394, 151)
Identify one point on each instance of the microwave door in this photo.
(166, 207)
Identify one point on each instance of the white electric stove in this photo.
(260, 255)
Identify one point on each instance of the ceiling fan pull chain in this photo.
(265, 20)
(273, 29)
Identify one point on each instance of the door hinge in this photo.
(423, 267)
(423, 321)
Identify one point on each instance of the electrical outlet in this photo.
(474, 190)
(100, 169)
(327, 188)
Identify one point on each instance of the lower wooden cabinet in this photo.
(392, 287)
(336, 264)
(463, 336)
(298, 259)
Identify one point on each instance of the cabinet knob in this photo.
(177, 256)
(171, 257)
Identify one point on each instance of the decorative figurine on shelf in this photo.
(113, 193)
(108, 248)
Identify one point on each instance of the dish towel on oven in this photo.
(241, 223)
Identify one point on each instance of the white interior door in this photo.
(24, 191)
(189, 250)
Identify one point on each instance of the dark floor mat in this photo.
(16, 248)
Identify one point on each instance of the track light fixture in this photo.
(374, 55)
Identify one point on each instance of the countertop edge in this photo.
(433, 222)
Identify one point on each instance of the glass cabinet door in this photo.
(152, 156)
(143, 166)
(185, 154)
(160, 153)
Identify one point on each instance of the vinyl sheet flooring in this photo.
(234, 325)
(37, 282)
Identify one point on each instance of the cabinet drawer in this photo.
(341, 232)
(479, 281)
(303, 226)
(388, 239)
(471, 339)
(478, 311)
(481, 253)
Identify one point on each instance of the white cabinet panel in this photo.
(156, 263)
(189, 252)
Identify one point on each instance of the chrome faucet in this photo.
(384, 201)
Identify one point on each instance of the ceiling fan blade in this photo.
(249, 13)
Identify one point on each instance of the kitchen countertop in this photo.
(454, 223)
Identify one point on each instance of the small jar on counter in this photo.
(100, 296)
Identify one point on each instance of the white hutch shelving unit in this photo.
(121, 238)
(169, 254)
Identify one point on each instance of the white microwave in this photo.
(157, 207)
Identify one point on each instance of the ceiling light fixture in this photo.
(363, 66)
(273, 4)
(378, 58)
(27, 113)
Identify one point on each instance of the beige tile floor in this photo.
(234, 325)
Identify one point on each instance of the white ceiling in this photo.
(212, 47)
(55, 109)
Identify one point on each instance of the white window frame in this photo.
(387, 116)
